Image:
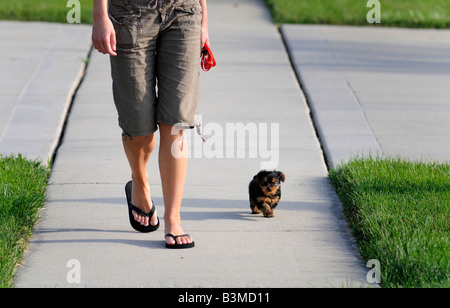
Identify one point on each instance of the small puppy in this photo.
(265, 192)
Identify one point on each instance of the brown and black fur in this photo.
(265, 192)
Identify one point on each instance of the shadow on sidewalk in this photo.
(147, 243)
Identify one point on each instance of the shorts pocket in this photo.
(189, 16)
(128, 27)
(189, 8)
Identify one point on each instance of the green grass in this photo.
(397, 13)
(399, 212)
(22, 194)
(43, 10)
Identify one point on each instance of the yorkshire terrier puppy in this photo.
(265, 192)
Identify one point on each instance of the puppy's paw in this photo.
(254, 207)
(268, 214)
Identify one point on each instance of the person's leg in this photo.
(178, 65)
(138, 150)
(172, 169)
(134, 82)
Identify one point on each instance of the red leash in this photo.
(208, 59)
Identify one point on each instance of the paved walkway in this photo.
(375, 90)
(42, 64)
(307, 244)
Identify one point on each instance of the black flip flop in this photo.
(136, 225)
(176, 245)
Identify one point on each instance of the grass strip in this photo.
(22, 194)
(44, 10)
(399, 212)
(395, 13)
(398, 13)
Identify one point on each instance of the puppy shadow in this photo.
(216, 209)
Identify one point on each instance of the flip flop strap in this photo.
(175, 237)
(141, 212)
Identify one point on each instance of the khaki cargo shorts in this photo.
(157, 68)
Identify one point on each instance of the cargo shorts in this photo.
(157, 68)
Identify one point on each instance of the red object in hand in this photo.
(208, 60)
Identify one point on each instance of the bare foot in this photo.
(140, 197)
(175, 229)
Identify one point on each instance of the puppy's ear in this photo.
(260, 176)
(281, 176)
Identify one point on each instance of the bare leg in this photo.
(138, 150)
(173, 175)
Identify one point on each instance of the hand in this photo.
(104, 36)
(204, 37)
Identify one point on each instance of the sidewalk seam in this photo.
(326, 118)
(33, 76)
(72, 96)
(353, 92)
(305, 95)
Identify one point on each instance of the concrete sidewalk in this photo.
(375, 90)
(307, 244)
(42, 64)
(370, 90)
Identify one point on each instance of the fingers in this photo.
(203, 43)
(206, 42)
(104, 37)
(204, 38)
(106, 46)
(113, 44)
(110, 45)
(109, 48)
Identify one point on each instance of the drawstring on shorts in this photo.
(198, 126)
